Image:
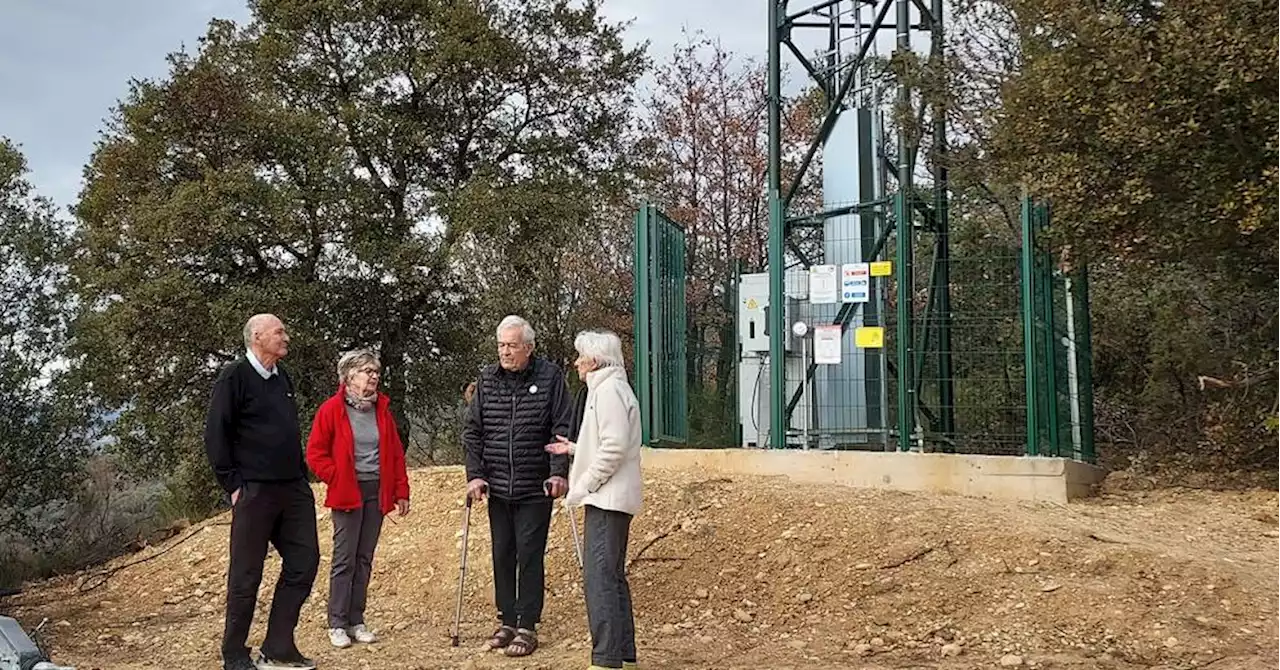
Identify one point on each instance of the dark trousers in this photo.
(519, 532)
(355, 536)
(609, 615)
(282, 513)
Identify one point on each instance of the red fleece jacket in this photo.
(331, 453)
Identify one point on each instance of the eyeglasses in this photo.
(505, 346)
(372, 372)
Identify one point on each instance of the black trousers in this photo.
(519, 532)
(609, 612)
(282, 513)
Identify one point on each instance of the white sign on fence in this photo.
(826, 345)
(855, 282)
(824, 284)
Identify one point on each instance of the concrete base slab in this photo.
(1030, 478)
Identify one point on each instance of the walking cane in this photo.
(462, 576)
(573, 526)
(577, 544)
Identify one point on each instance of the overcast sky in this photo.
(65, 63)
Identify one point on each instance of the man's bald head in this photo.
(265, 336)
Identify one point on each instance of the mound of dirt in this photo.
(755, 573)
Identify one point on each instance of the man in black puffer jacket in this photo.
(519, 407)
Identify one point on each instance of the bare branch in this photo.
(1206, 382)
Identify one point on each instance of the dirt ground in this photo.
(755, 573)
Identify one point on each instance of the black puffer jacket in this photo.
(513, 416)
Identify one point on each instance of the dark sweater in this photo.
(251, 433)
(579, 410)
(512, 418)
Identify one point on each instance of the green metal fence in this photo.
(1003, 366)
(979, 388)
(661, 369)
(1019, 374)
(1059, 380)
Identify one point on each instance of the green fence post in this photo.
(682, 318)
(903, 267)
(1028, 323)
(659, 344)
(1048, 290)
(663, 327)
(1084, 364)
(643, 352)
(1051, 346)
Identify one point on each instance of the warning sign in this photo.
(869, 337)
(826, 345)
(855, 282)
(822, 284)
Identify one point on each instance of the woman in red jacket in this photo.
(355, 449)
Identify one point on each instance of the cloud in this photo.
(64, 64)
(741, 26)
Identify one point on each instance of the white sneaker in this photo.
(296, 661)
(338, 638)
(362, 635)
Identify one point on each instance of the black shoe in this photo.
(241, 663)
(294, 661)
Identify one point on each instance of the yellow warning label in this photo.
(882, 268)
(752, 304)
(869, 337)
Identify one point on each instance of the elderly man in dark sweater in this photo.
(255, 447)
(520, 404)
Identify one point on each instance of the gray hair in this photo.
(602, 346)
(513, 321)
(354, 360)
(252, 327)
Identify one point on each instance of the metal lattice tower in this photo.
(851, 28)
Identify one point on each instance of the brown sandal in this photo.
(524, 643)
(502, 637)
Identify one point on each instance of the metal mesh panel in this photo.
(660, 328)
(1008, 310)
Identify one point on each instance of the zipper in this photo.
(511, 438)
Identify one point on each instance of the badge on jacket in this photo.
(533, 389)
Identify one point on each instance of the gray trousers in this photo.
(609, 615)
(355, 536)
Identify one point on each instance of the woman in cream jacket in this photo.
(605, 478)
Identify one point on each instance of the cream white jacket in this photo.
(606, 462)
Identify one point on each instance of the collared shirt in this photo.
(257, 365)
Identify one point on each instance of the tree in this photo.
(1151, 127)
(1160, 115)
(707, 127)
(331, 161)
(45, 428)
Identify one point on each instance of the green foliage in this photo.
(45, 426)
(712, 417)
(1152, 129)
(1152, 126)
(1151, 347)
(339, 163)
(190, 491)
(103, 515)
(706, 125)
